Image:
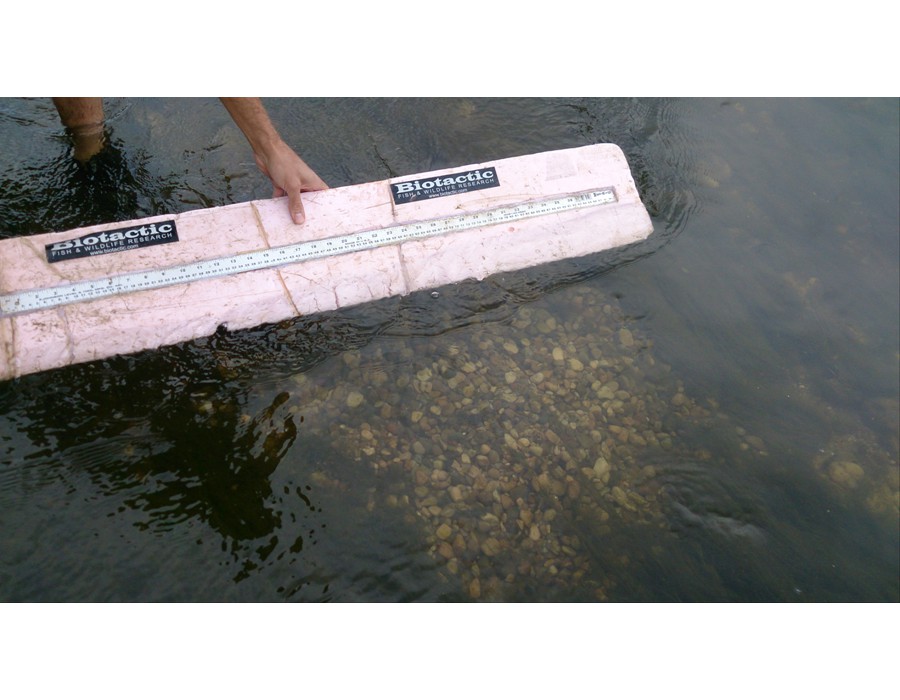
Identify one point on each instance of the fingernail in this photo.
(298, 217)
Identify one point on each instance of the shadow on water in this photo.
(115, 185)
(216, 481)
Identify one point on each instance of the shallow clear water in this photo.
(710, 415)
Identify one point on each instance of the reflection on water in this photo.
(710, 415)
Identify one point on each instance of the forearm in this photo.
(252, 119)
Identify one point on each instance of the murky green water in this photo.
(711, 415)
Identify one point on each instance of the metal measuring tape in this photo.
(49, 297)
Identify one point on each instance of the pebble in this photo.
(547, 325)
(620, 497)
(845, 473)
(757, 443)
(601, 469)
(354, 399)
(445, 549)
(475, 589)
(606, 391)
(491, 546)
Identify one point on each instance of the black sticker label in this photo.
(444, 185)
(113, 241)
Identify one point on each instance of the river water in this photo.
(710, 415)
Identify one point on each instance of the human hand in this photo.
(289, 175)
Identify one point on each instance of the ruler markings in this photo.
(48, 297)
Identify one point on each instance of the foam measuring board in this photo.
(90, 293)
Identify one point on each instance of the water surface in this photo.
(710, 415)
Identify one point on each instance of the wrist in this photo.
(268, 146)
